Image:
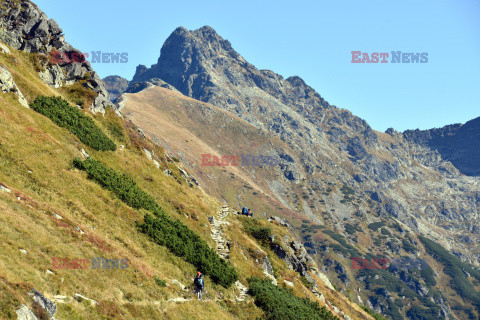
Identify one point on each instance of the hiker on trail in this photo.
(199, 283)
(250, 213)
(245, 211)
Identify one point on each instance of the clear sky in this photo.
(314, 40)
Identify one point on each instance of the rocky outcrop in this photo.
(25, 314)
(53, 76)
(8, 85)
(45, 303)
(268, 270)
(25, 27)
(243, 290)
(296, 257)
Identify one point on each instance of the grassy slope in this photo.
(36, 164)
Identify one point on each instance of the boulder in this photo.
(4, 188)
(8, 85)
(25, 314)
(45, 303)
(53, 76)
(4, 49)
(81, 298)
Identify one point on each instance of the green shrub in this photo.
(346, 190)
(122, 185)
(419, 313)
(344, 247)
(160, 282)
(375, 225)
(408, 247)
(66, 116)
(262, 234)
(428, 275)
(176, 236)
(351, 229)
(385, 232)
(282, 304)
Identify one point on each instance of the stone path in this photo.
(217, 224)
(243, 291)
(223, 248)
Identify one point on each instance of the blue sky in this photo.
(314, 40)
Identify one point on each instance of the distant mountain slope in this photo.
(458, 143)
(115, 86)
(188, 128)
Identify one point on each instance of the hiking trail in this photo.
(223, 245)
(217, 223)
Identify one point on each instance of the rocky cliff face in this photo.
(25, 27)
(457, 143)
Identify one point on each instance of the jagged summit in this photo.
(183, 58)
(203, 65)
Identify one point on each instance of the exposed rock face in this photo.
(458, 143)
(115, 86)
(25, 27)
(25, 314)
(268, 270)
(53, 76)
(45, 303)
(296, 257)
(8, 85)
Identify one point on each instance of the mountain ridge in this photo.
(457, 143)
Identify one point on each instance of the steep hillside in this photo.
(362, 193)
(79, 226)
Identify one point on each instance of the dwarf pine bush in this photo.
(282, 304)
(176, 236)
(66, 116)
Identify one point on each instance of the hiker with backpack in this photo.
(245, 211)
(199, 283)
(250, 213)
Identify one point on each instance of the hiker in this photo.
(250, 213)
(245, 211)
(199, 283)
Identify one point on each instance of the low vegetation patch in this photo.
(376, 225)
(282, 304)
(456, 269)
(176, 236)
(66, 116)
(343, 247)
